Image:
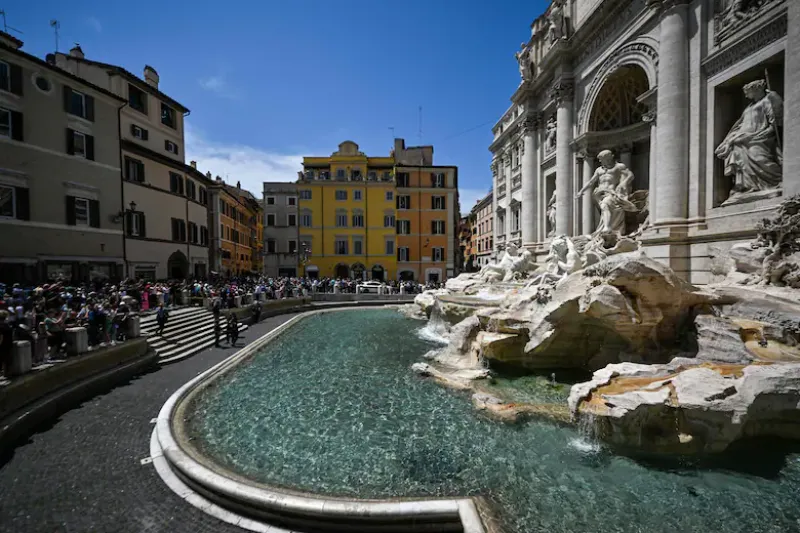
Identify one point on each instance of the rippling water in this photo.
(332, 407)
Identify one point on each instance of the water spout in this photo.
(437, 328)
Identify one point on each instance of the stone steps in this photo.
(188, 331)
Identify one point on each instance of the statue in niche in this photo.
(550, 134)
(752, 150)
(613, 182)
(551, 215)
(555, 22)
(526, 66)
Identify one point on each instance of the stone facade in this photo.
(60, 190)
(660, 84)
(483, 231)
(282, 243)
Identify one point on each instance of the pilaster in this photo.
(791, 120)
(530, 177)
(562, 93)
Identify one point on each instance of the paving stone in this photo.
(84, 473)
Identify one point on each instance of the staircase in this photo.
(189, 330)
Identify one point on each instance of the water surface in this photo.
(331, 407)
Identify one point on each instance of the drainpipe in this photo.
(125, 270)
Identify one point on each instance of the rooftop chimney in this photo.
(151, 76)
(10, 41)
(194, 164)
(76, 51)
(238, 184)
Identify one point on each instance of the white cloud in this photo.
(238, 162)
(219, 86)
(469, 197)
(95, 23)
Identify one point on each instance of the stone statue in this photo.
(526, 66)
(613, 186)
(511, 265)
(551, 215)
(550, 134)
(751, 150)
(555, 22)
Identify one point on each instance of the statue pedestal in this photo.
(77, 341)
(133, 327)
(745, 197)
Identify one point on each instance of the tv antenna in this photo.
(6, 27)
(55, 25)
(391, 128)
(420, 124)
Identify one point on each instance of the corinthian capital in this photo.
(562, 91)
(532, 122)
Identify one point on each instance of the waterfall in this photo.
(587, 442)
(437, 329)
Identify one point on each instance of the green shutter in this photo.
(70, 142)
(67, 98)
(94, 213)
(15, 83)
(23, 200)
(70, 204)
(89, 147)
(89, 107)
(17, 126)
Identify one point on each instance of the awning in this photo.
(312, 268)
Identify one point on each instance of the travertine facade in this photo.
(660, 84)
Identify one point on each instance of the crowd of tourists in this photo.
(103, 308)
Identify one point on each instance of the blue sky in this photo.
(269, 82)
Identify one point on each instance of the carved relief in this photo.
(550, 135)
(746, 47)
(731, 15)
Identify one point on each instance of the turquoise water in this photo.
(332, 407)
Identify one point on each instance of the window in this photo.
(372, 175)
(291, 200)
(357, 194)
(356, 175)
(324, 174)
(191, 189)
(389, 196)
(134, 170)
(82, 215)
(137, 99)
(178, 230)
(270, 246)
(437, 179)
(402, 179)
(5, 121)
(387, 176)
(138, 132)
(78, 144)
(501, 223)
(404, 227)
(270, 219)
(389, 247)
(203, 196)
(167, 115)
(340, 174)
(292, 247)
(341, 195)
(175, 183)
(8, 204)
(358, 221)
(194, 234)
(203, 236)
(358, 247)
(305, 195)
(305, 220)
(341, 220)
(270, 200)
(437, 227)
(340, 247)
(402, 254)
(403, 201)
(78, 104)
(5, 77)
(291, 220)
(437, 202)
(135, 224)
(388, 221)
(515, 220)
(171, 147)
(438, 254)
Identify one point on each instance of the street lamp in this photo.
(303, 255)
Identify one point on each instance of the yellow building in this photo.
(347, 215)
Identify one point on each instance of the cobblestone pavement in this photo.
(83, 473)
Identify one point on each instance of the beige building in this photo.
(483, 231)
(166, 201)
(60, 191)
(283, 252)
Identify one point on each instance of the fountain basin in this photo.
(329, 410)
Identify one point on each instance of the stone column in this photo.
(650, 117)
(672, 179)
(587, 206)
(530, 180)
(565, 196)
(791, 115)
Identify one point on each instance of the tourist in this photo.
(232, 332)
(6, 341)
(161, 319)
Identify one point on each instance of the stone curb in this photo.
(285, 507)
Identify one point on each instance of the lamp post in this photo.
(303, 255)
(125, 230)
